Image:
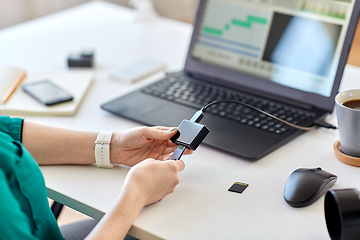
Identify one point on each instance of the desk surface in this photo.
(201, 207)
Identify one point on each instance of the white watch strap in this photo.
(102, 150)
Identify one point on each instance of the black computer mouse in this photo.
(304, 186)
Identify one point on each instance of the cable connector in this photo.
(198, 116)
(178, 153)
(325, 125)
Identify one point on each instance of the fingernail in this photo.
(172, 129)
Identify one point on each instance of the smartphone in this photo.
(47, 92)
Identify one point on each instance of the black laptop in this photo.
(284, 57)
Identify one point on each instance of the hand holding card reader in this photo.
(189, 135)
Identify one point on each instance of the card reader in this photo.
(189, 135)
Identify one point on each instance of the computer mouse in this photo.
(306, 185)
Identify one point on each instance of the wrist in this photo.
(118, 150)
(113, 147)
(131, 199)
(134, 188)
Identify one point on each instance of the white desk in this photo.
(201, 207)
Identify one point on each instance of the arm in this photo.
(146, 183)
(50, 145)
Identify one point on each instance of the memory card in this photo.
(238, 187)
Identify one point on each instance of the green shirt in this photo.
(24, 208)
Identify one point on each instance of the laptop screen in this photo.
(293, 43)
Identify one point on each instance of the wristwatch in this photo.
(102, 150)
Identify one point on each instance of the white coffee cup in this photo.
(348, 122)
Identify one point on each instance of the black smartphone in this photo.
(47, 92)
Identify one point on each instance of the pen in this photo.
(13, 86)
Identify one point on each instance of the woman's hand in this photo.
(134, 145)
(151, 180)
(147, 182)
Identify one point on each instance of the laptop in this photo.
(284, 57)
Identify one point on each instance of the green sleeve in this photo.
(16, 224)
(12, 127)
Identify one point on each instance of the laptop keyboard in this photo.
(181, 89)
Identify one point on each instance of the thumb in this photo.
(159, 133)
(180, 165)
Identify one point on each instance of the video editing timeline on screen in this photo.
(296, 43)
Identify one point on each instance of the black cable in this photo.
(325, 125)
(197, 137)
(320, 123)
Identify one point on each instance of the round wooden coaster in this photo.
(353, 161)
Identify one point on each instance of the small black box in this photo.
(82, 59)
(190, 134)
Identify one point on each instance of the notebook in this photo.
(20, 103)
(286, 57)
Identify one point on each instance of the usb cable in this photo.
(194, 133)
